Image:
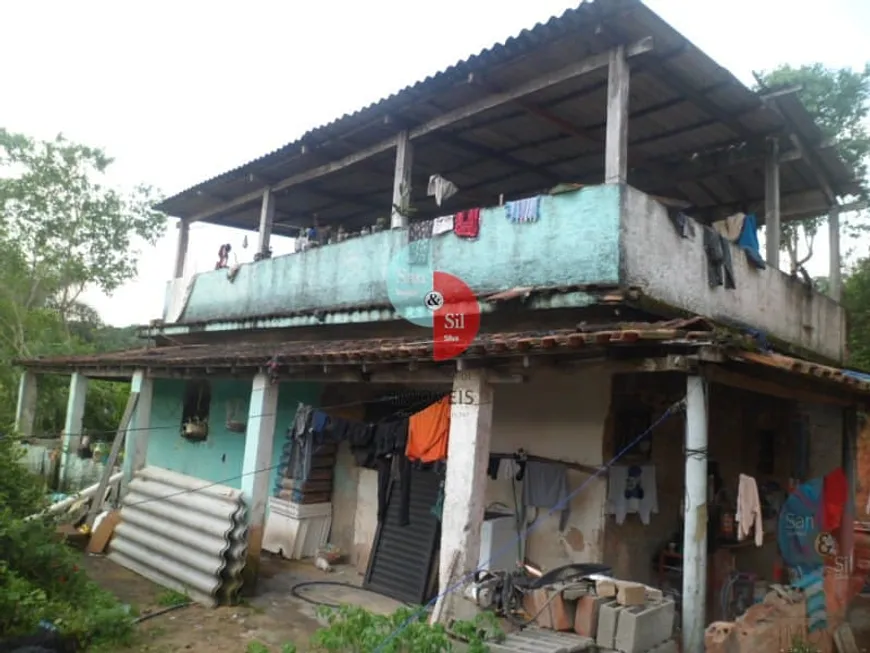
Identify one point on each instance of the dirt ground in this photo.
(273, 617)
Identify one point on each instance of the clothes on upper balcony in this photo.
(748, 241)
(720, 269)
(466, 224)
(525, 210)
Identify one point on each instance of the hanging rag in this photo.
(441, 189)
(748, 510)
(361, 438)
(719, 267)
(731, 227)
(419, 235)
(682, 223)
(835, 494)
(492, 467)
(631, 489)
(466, 224)
(428, 432)
(527, 210)
(545, 485)
(748, 241)
(442, 225)
(301, 436)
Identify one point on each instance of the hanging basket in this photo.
(234, 426)
(236, 413)
(195, 431)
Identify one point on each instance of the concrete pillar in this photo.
(138, 432)
(773, 227)
(73, 424)
(267, 219)
(616, 139)
(25, 412)
(181, 248)
(256, 468)
(464, 490)
(402, 181)
(694, 597)
(835, 279)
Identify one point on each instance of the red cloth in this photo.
(467, 223)
(835, 493)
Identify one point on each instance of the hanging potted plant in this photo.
(235, 417)
(195, 429)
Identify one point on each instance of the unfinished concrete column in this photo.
(616, 140)
(256, 468)
(694, 596)
(267, 219)
(25, 411)
(464, 490)
(773, 227)
(181, 248)
(73, 424)
(139, 430)
(402, 181)
(835, 279)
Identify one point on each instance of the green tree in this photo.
(63, 228)
(856, 300)
(839, 101)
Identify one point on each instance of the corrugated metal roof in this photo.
(683, 103)
(184, 534)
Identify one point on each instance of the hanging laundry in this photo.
(466, 224)
(428, 432)
(526, 210)
(301, 436)
(492, 467)
(748, 241)
(632, 490)
(731, 227)
(545, 485)
(419, 236)
(441, 189)
(719, 267)
(437, 508)
(748, 510)
(361, 438)
(442, 225)
(683, 224)
(835, 494)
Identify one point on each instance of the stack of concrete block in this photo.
(636, 628)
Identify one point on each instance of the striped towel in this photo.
(526, 210)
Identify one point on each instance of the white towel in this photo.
(442, 225)
(442, 189)
(748, 510)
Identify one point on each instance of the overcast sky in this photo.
(180, 91)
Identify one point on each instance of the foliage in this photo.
(856, 300)
(63, 228)
(352, 629)
(839, 102)
(40, 580)
(171, 598)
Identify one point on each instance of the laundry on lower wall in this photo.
(632, 491)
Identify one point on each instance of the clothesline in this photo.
(580, 467)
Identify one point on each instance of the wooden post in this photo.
(72, 427)
(616, 145)
(257, 469)
(25, 411)
(138, 429)
(464, 488)
(835, 279)
(402, 181)
(773, 228)
(267, 218)
(181, 248)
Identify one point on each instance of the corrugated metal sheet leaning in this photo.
(184, 534)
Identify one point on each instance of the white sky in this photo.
(178, 91)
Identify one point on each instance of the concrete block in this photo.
(608, 618)
(631, 594)
(640, 628)
(605, 587)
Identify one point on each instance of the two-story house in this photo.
(595, 185)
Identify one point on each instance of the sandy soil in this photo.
(273, 617)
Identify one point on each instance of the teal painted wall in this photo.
(575, 241)
(219, 458)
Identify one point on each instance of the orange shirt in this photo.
(428, 432)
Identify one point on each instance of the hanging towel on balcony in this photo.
(442, 225)
(419, 236)
(466, 224)
(719, 267)
(748, 240)
(526, 210)
(441, 189)
(731, 227)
